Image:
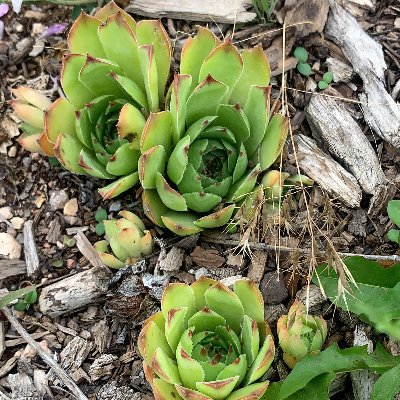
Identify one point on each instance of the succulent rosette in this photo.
(128, 239)
(300, 333)
(207, 342)
(115, 75)
(216, 137)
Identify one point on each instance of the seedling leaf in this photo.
(20, 305)
(100, 215)
(31, 297)
(100, 229)
(14, 295)
(301, 54)
(393, 235)
(322, 85)
(327, 78)
(304, 69)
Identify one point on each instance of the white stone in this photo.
(58, 199)
(17, 222)
(9, 247)
(6, 212)
(12, 152)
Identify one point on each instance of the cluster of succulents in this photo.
(128, 239)
(196, 152)
(300, 334)
(207, 342)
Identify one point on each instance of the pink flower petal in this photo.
(4, 9)
(54, 29)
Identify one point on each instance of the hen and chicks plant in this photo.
(207, 342)
(196, 152)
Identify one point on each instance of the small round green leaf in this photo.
(328, 76)
(304, 69)
(301, 54)
(100, 215)
(100, 229)
(20, 305)
(322, 85)
(31, 297)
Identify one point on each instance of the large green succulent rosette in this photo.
(207, 343)
(114, 76)
(205, 153)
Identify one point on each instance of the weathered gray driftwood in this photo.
(332, 124)
(12, 268)
(206, 10)
(364, 380)
(74, 292)
(330, 175)
(366, 57)
(31, 255)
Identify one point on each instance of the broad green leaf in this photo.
(224, 64)
(251, 298)
(83, 37)
(256, 71)
(375, 298)
(130, 125)
(178, 161)
(152, 32)
(10, 297)
(124, 161)
(150, 77)
(336, 360)
(227, 304)
(67, 150)
(393, 235)
(181, 223)
(218, 390)
(165, 367)
(179, 95)
(205, 100)
(190, 370)
(153, 206)
(97, 70)
(195, 51)
(169, 196)
(387, 386)
(117, 27)
(217, 219)
(157, 131)
(394, 211)
(151, 163)
(233, 118)
(119, 186)
(273, 141)
(110, 9)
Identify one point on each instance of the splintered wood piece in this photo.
(47, 358)
(363, 381)
(366, 57)
(193, 10)
(31, 255)
(75, 291)
(333, 125)
(86, 248)
(324, 170)
(257, 266)
(12, 268)
(22, 387)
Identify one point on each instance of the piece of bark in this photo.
(23, 388)
(102, 366)
(207, 258)
(332, 124)
(367, 59)
(324, 170)
(341, 71)
(172, 262)
(47, 358)
(74, 292)
(30, 251)
(363, 381)
(12, 268)
(86, 248)
(315, 12)
(193, 10)
(10, 363)
(54, 234)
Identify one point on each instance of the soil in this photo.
(33, 189)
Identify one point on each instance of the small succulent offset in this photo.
(300, 333)
(128, 239)
(207, 342)
(196, 158)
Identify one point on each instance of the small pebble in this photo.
(18, 27)
(23, 44)
(85, 334)
(43, 280)
(35, 156)
(60, 245)
(38, 48)
(71, 207)
(29, 352)
(27, 161)
(9, 247)
(12, 232)
(71, 220)
(20, 314)
(17, 222)
(116, 206)
(12, 152)
(58, 199)
(37, 28)
(6, 212)
(71, 263)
